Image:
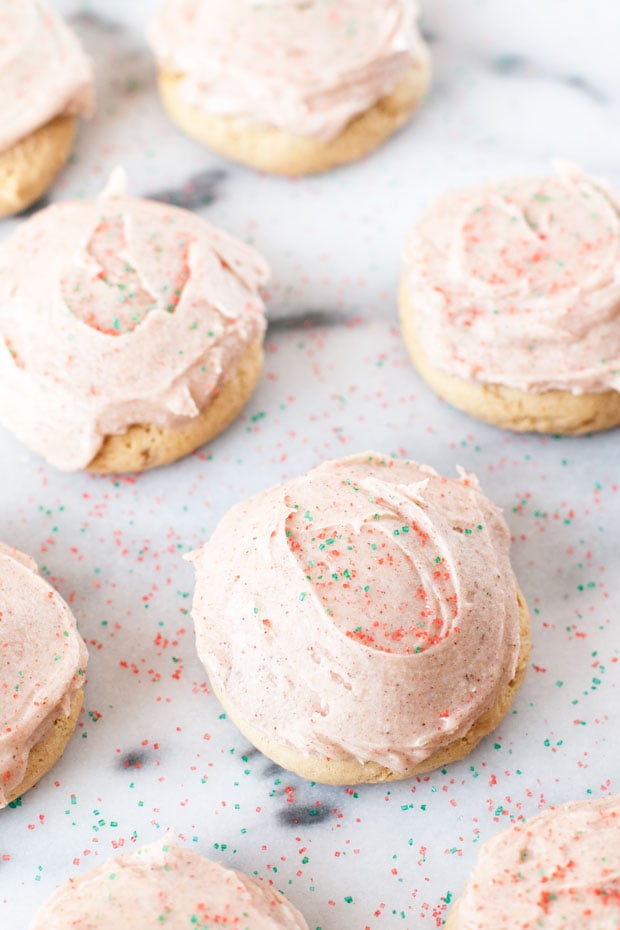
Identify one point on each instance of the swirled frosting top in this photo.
(306, 66)
(119, 311)
(518, 283)
(42, 663)
(368, 584)
(166, 884)
(558, 871)
(43, 71)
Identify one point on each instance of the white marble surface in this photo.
(515, 83)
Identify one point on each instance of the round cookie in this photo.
(166, 884)
(362, 622)
(42, 661)
(560, 869)
(296, 89)
(130, 332)
(509, 302)
(45, 81)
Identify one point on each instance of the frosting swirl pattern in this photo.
(517, 283)
(43, 71)
(42, 663)
(119, 311)
(367, 583)
(305, 66)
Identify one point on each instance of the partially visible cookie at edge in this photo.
(560, 868)
(165, 883)
(42, 664)
(46, 81)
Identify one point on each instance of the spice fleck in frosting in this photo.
(42, 664)
(558, 871)
(163, 884)
(305, 66)
(119, 311)
(43, 71)
(366, 610)
(517, 283)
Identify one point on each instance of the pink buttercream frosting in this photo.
(558, 871)
(517, 283)
(165, 884)
(42, 663)
(119, 311)
(305, 66)
(366, 609)
(43, 71)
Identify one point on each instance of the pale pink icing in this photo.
(518, 283)
(165, 884)
(43, 71)
(42, 663)
(306, 66)
(367, 609)
(119, 311)
(558, 871)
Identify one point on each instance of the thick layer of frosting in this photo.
(306, 66)
(119, 311)
(165, 884)
(43, 71)
(367, 609)
(42, 663)
(558, 871)
(518, 283)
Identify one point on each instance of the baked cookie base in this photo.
(28, 168)
(145, 446)
(558, 412)
(280, 152)
(352, 772)
(44, 755)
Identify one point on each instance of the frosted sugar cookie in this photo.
(130, 332)
(45, 82)
(292, 86)
(510, 302)
(165, 884)
(362, 622)
(559, 870)
(42, 665)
